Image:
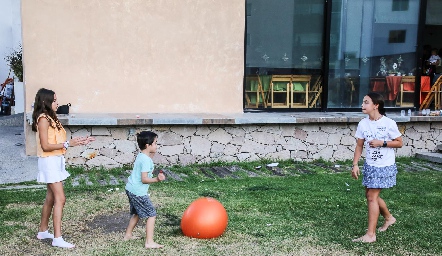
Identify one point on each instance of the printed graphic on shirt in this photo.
(376, 133)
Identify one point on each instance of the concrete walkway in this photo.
(15, 166)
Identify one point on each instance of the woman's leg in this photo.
(46, 210)
(59, 201)
(57, 214)
(388, 217)
(372, 195)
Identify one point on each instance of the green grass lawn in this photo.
(308, 214)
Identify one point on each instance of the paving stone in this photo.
(275, 170)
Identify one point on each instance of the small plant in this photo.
(15, 63)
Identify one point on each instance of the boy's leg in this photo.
(150, 225)
(130, 227)
(389, 219)
(45, 214)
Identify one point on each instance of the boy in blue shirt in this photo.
(138, 185)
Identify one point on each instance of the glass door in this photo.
(373, 49)
(284, 54)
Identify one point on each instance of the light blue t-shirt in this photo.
(143, 163)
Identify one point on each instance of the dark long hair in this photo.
(43, 105)
(378, 100)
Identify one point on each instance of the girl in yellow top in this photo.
(51, 147)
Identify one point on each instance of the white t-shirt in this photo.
(433, 59)
(382, 129)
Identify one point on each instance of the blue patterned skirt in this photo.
(379, 177)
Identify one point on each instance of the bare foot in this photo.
(126, 238)
(365, 239)
(153, 246)
(388, 222)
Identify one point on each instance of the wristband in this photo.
(66, 144)
(385, 144)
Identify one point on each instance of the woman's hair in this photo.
(43, 105)
(145, 137)
(377, 100)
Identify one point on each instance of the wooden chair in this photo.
(299, 91)
(407, 88)
(254, 93)
(433, 94)
(315, 92)
(279, 91)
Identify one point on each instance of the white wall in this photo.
(10, 32)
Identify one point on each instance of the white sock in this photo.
(59, 242)
(44, 235)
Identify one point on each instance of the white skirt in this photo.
(51, 169)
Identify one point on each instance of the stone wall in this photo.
(185, 144)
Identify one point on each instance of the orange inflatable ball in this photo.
(204, 218)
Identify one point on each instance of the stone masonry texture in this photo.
(187, 144)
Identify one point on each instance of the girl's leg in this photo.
(45, 214)
(372, 195)
(47, 209)
(150, 225)
(389, 219)
(130, 227)
(59, 201)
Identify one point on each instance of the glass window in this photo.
(372, 48)
(284, 53)
(400, 5)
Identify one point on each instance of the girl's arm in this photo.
(395, 143)
(146, 180)
(43, 127)
(358, 152)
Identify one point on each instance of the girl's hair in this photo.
(43, 105)
(145, 137)
(377, 100)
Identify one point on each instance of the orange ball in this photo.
(204, 218)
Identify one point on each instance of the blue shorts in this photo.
(141, 205)
(379, 177)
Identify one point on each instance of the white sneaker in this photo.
(59, 242)
(44, 235)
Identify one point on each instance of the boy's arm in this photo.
(146, 180)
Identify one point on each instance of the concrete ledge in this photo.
(130, 119)
(430, 156)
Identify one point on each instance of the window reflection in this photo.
(373, 47)
(284, 53)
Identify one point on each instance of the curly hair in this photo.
(43, 105)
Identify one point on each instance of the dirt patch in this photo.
(116, 222)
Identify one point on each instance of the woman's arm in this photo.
(358, 152)
(395, 143)
(43, 127)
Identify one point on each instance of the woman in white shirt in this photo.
(380, 135)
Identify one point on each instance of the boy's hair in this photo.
(43, 105)
(378, 100)
(145, 137)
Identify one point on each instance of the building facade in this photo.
(222, 59)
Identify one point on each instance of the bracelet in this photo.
(66, 144)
